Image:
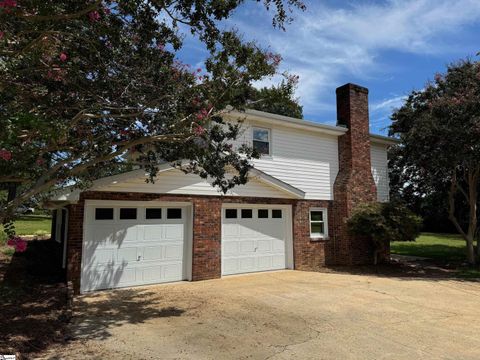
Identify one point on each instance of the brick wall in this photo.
(206, 260)
(206, 256)
(354, 184)
(308, 254)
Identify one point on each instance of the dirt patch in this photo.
(33, 295)
(407, 267)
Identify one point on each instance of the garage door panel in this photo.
(101, 256)
(126, 276)
(230, 230)
(125, 235)
(264, 262)
(152, 273)
(173, 232)
(247, 231)
(171, 271)
(152, 253)
(127, 254)
(230, 247)
(152, 232)
(119, 253)
(102, 236)
(230, 266)
(257, 244)
(247, 246)
(246, 264)
(264, 245)
(278, 245)
(278, 261)
(173, 252)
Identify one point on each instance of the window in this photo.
(230, 213)
(276, 214)
(153, 213)
(318, 223)
(261, 141)
(247, 213)
(263, 213)
(128, 213)
(104, 214)
(174, 213)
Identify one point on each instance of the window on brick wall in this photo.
(318, 223)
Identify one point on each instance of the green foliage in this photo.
(385, 222)
(277, 99)
(85, 83)
(438, 160)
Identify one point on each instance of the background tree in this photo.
(439, 129)
(279, 99)
(83, 82)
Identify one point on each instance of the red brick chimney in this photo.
(354, 184)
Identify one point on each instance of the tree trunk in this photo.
(471, 256)
(473, 221)
(471, 197)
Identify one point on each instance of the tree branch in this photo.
(78, 14)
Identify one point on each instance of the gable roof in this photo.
(136, 178)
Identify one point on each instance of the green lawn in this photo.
(445, 247)
(30, 224)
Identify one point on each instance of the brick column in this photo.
(354, 184)
(207, 219)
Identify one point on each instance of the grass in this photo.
(445, 248)
(31, 224)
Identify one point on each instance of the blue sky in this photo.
(391, 47)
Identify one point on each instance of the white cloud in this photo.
(387, 104)
(325, 45)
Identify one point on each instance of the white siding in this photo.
(176, 182)
(305, 160)
(380, 171)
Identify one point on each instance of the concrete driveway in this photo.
(281, 315)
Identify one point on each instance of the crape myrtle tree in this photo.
(83, 83)
(439, 129)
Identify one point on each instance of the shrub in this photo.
(384, 222)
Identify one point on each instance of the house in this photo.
(291, 215)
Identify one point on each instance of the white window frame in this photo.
(318, 236)
(269, 139)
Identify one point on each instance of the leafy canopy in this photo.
(83, 83)
(277, 99)
(439, 129)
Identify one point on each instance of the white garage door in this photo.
(256, 238)
(127, 244)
